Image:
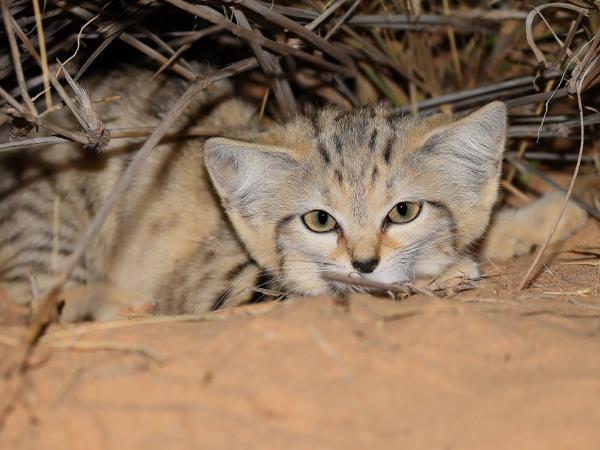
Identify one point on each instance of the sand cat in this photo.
(362, 191)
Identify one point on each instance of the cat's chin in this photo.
(386, 276)
(308, 288)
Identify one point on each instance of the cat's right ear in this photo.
(246, 173)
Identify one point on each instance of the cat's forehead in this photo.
(356, 154)
(355, 127)
(363, 136)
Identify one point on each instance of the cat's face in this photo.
(361, 191)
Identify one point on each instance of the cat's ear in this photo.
(243, 171)
(474, 143)
(464, 160)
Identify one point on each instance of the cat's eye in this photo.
(404, 212)
(319, 221)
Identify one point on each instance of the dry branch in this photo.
(117, 133)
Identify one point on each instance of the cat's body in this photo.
(334, 191)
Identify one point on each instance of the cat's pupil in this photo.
(322, 217)
(402, 209)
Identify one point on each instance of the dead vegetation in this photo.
(542, 59)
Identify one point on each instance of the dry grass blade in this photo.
(588, 65)
(529, 26)
(82, 330)
(218, 19)
(90, 346)
(297, 29)
(163, 45)
(568, 41)
(71, 136)
(195, 36)
(42, 45)
(107, 346)
(324, 15)
(11, 101)
(272, 68)
(342, 20)
(98, 137)
(81, 106)
(374, 54)
(479, 95)
(60, 105)
(170, 61)
(132, 41)
(28, 143)
(16, 57)
(105, 43)
(453, 48)
(118, 133)
(561, 129)
(38, 119)
(67, 99)
(513, 190)
(416, 23)
(139, 45)
(538, 256)
(536, 98)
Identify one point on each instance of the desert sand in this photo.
(490, 368)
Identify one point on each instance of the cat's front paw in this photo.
(456, 278)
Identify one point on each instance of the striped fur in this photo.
(167, 241)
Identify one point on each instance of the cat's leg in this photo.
(102, 301)
(30, 258)
(34, 250)
(27, 286)
(517, 231)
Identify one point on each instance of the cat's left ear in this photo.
(474, 143)
(245, 172)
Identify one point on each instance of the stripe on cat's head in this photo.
(356, 166)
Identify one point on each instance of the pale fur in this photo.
(517, 231)
(173, 242)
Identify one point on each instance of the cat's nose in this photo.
(366, 266)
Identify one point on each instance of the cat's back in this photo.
(49, 194)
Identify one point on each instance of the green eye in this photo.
(404, 212)
(319, 221)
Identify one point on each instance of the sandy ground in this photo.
(491, 368)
